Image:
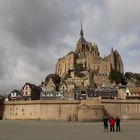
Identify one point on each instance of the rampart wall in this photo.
(61, 110)
(125, 109)
(73, 110)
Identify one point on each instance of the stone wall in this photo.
(21, 110)
(125, 109)
(91, 113)
(70, 110)
(101, 80)
(65, 64)
(53, 110)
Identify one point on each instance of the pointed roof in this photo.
(81, 39)
(112, 50)
(81, 31)
(30, 85)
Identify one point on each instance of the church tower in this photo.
(81, 44)
(84, 48)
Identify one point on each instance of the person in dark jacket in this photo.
(118, 128)
(105, 121)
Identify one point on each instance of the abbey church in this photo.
(85, 66)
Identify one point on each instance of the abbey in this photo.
(86, 65)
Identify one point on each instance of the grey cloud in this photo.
(35, 33)
(33, 19)
(32, 35)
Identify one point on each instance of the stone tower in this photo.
(84, 48)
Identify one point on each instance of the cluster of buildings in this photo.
(80, 74)
(33, 92)
(28, 92)
(129, 92)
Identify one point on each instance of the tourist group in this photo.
(112, 123)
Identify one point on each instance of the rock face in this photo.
(87, 55)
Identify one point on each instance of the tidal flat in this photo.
(44, 130)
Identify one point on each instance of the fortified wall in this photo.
(73, 110)
(125, 109)
(50, 110)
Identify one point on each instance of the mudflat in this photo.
(43, 130)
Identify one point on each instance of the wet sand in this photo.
(43, 130)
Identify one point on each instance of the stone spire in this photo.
(81, 31)
(81, 39)
(112, 50)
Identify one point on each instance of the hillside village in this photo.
(83, 74)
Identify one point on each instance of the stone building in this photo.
(50, 88)
(95, 69)
(51, 83)
(15, 95)
(30, 92)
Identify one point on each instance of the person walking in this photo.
(112, 124)
(105, 121)
(118, 128)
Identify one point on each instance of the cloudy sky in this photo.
(35, 33)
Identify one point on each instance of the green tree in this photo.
(136, 76)
(56, 78)
(137, 83)
(78, 69)
(129, 75)
(117, 77)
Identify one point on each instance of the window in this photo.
(43, 94)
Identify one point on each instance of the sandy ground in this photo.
(43, 130)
